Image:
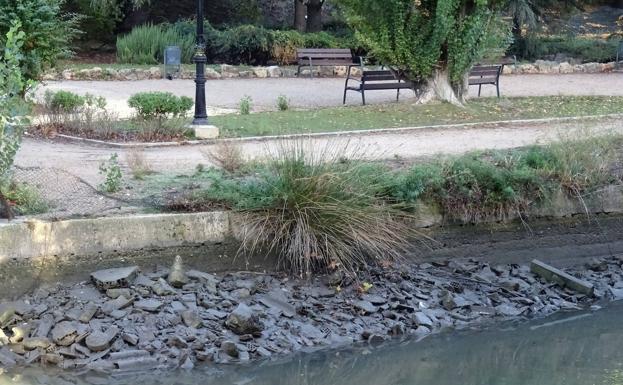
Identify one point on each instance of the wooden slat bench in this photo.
(326, 57)
(486, 74)
(377, 80)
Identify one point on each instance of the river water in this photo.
(567, 349)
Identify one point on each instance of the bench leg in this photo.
(311, 69)
(363, 96)
(398, 94)
(298, 71)
(497, 87)
(479, 88)
(346, 85)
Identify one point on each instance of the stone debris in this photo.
(177, 276)
(555, 275)
(114, 278)
(145, 323)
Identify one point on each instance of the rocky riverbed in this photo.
(126, 319)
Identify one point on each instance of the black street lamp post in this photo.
(201, 115)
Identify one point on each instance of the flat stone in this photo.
(508, 310)
(191, 319)
(277, 303)
(114, 278)
(243, 320)
(99, 341)
(151, 305)
(422, 319)
(230, 348)
(116, 293)
(374, 299)
(64, 333)
(88, 313)
(36, 343)
(365, 306)
(376, 339)
(45, 325)
(162, 288)
(116, 304)
(130, 339)
(563, 279)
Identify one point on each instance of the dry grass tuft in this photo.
(137, 163)
(226, 155)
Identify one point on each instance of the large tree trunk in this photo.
(314, 15)
(440, 88)
(300, 11)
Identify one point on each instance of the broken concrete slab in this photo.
(99, 341)
(563, 279)
(150, 305)
(114, 278)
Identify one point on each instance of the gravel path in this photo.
(83, 160)
(224, 95)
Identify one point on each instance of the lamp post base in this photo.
(205, 131)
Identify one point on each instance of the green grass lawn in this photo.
(407, 114)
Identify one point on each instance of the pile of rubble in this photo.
(125, 319)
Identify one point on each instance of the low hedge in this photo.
(582, 49)
(244, 44)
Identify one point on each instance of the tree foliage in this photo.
(48, 32)
(420, 37)
(12, 109)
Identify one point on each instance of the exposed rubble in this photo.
(138, 321)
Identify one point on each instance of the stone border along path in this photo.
(224, 95)
(83, 160)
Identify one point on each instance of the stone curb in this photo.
(27, 239)
(228, 71)
(33, 239)
(396, 130)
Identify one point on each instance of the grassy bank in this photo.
(407, 114)
(318, 211)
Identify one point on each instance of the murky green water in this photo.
(568, 349)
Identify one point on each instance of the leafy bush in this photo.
(160, 105)
(146, 44)
(245, 105)
(48, 32)
(25, 200)
(283, 103)
(112, 174)
(63, 102)
(534, 47)
(12, 108)
(244, 44)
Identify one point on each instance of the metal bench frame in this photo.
(485, 74)
(377, 80)
(326, 57)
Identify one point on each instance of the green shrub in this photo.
(246, 44)
(534, 47)
(246, 105)
(112, 174)
(12, 108)
(146, 44)
(283, 103)
(63, 102)
(160, 105)
(48, 32)
(25, 199)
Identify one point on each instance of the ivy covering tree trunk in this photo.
(433, 43)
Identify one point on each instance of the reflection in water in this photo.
(583, 351)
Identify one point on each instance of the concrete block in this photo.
(206, 132)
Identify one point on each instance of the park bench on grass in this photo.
(326, 57)
(377, 80)
(485, 74)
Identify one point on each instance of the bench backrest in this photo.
(486, 71)
(325, 54)
(375, 76)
